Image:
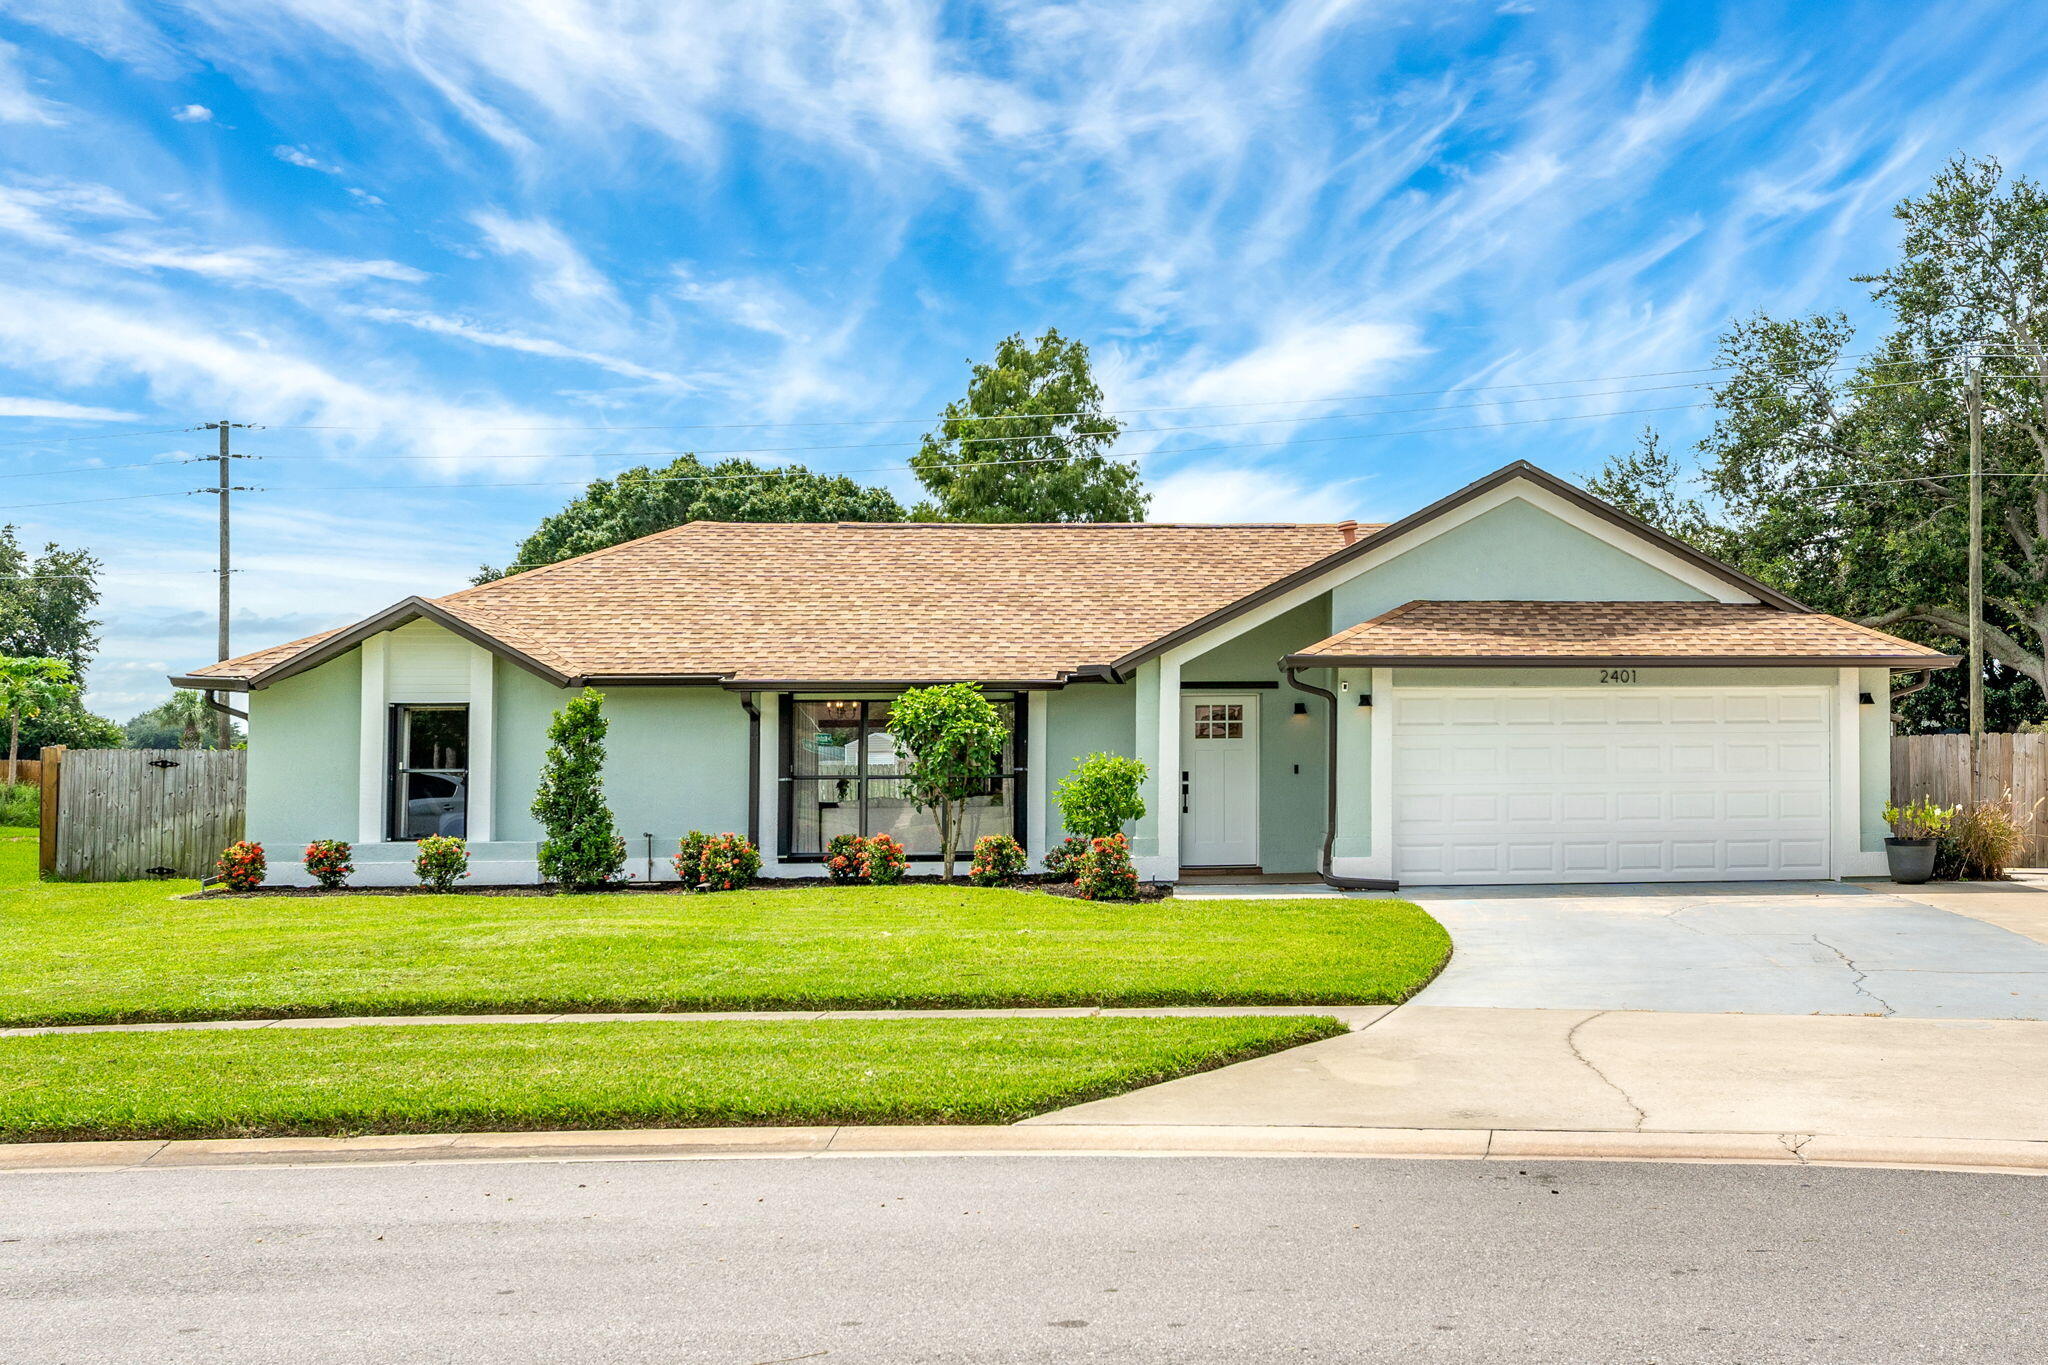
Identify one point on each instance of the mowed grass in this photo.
(496, 1077)
(134, 952)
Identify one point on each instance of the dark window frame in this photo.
(395, 770)
(786, 778)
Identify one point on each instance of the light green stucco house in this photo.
(1516, 684)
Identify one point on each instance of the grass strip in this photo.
(132, 952)
(502, 1077)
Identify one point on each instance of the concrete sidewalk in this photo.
(1627, 1072)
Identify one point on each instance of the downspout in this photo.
(1926, 677)
(1330, 810)
(753, 768)
(213, 700)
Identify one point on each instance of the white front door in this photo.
(1614, 784)
(1219, 802)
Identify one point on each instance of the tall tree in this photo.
(1029, 442)
(644, 500)
(29, 687)
(46, 603)
(1841, 477)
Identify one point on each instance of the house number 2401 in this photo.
(1617, 675)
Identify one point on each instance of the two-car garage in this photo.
(1610, 783)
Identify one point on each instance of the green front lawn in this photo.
(132, 951)
(496, 1077)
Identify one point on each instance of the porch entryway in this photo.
(1219, 781)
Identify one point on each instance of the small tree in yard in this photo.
(29, 687)
(583, 846)
(955, 739)
(1101, 795)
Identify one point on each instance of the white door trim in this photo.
(1242, 850)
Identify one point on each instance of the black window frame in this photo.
(395, 771)
(786, 778)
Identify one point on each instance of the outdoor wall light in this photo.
(1301, 708)
(1866, 699)
(1365, 699)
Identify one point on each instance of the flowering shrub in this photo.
(843, 858)
(997, 859)
(689, 859)
(329, 861)
(883, 860)
(1105, 873)
(728, 862)
(241, 866)
(443, 860)
(1063, 859)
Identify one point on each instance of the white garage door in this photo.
(1610, 784)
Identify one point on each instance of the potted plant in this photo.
(1916, 833)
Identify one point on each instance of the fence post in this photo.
(46, 825)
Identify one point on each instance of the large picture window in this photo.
(429, 771)
(842, 774)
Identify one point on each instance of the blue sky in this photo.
(441, 247)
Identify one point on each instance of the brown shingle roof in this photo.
(1429, 632)
(880, 602)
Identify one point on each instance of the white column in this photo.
(483, 789)
(374, 728)
(1846, 805)
(1169, 768)
(1382, 833)
(1037, 781)
(768, 756)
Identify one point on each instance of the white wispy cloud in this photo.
(465, 330)
(192, 113)
(11, 406)
(18, 103)
(299, 156)
(49, 215)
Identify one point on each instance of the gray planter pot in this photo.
(1910, 860)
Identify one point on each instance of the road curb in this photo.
(674, 1144)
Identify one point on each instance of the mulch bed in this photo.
(1147, 891)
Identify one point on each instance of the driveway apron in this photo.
(1790, 1009)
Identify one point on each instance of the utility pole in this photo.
(225, 487)
(1976, 405)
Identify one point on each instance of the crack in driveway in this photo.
(1571, 1040)
(1861, 975)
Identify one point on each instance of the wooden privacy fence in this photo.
(1938, 768)
(27, 771)
(112, 815)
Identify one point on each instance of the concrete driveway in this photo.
(1790, 1009)
(1781, 948)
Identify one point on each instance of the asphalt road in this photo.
(1023, 1259)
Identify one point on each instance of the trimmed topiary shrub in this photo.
(583, 847)
(998, 859)
(955, 738)
(442, 861)
(1062, 858)
(843, 858)
(728, 862)
(1101, 795)
(241, 866)
(329, 862)
(883, 860)
(1105, 872)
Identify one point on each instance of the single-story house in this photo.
(1518, 683)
